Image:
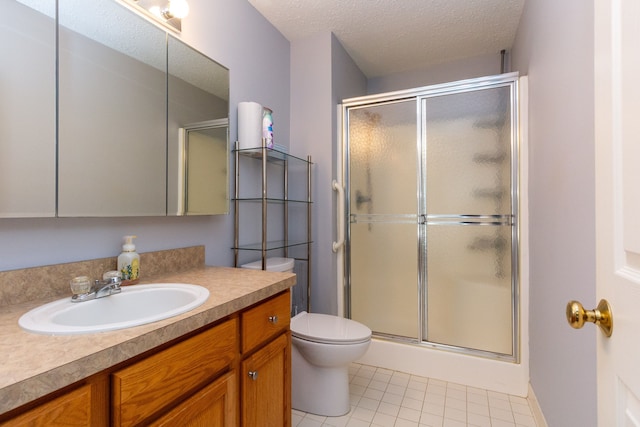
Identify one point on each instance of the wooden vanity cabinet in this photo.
(266, 363)
(72, 408)
(237, 372)
(215, 405)
(85, 405)
(179, 375)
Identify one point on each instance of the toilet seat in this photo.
(327, 329)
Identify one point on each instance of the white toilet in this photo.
(322, 347)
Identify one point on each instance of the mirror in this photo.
(203, 160)
(112, 111)
(126, 91)
(197, 129)
(27, 110)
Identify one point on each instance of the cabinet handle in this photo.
(273, 319)
(253, 375)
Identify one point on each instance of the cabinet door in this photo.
(148, 387)
(79, 407)
(266, 385)
(214, 406)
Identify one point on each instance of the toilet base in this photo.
(319, 390)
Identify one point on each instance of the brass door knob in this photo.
(601, 316)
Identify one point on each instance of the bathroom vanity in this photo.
(224, 363)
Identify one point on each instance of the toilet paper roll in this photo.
(249, 125)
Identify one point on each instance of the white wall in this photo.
(311, 117)
(237, 36)
(554, 46)
(322, 74)
(478, 66)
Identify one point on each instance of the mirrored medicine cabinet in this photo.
(112, 134)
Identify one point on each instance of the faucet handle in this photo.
(112, 276)
(80, 285)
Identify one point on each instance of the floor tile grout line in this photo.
(367, 377)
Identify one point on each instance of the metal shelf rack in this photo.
(270, 161)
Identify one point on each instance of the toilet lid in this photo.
(328, 329)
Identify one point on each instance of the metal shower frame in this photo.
(419, 94)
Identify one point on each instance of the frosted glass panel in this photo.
(382, 150)
(384, 278)
(431, 212)
(383, 153)
(468, 138)
(469, 287)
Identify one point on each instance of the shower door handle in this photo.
(340, 215)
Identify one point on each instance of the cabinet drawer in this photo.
(71, 409)
(265, 321)
(146, 387)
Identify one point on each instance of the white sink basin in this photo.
(135, 305)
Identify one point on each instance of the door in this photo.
(617, 134)
(266, 385)
(470, 139)
(383, 159)
(431, 178)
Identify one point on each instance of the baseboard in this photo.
(535, 409)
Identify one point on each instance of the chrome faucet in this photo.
(100, 288)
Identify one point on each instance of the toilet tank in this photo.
(273, 264)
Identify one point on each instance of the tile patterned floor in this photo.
(380, 397)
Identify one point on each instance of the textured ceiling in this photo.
(390, 36)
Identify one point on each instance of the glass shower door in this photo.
(469, 142)
(432, 236)
(383, 214)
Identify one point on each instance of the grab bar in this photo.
(340, 215)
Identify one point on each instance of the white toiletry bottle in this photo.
(129, 261)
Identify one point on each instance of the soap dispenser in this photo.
(129, 261)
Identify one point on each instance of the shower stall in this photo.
(431, 216)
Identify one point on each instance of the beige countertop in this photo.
(34, 365)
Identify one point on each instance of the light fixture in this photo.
(168, 12)
(176, 9)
